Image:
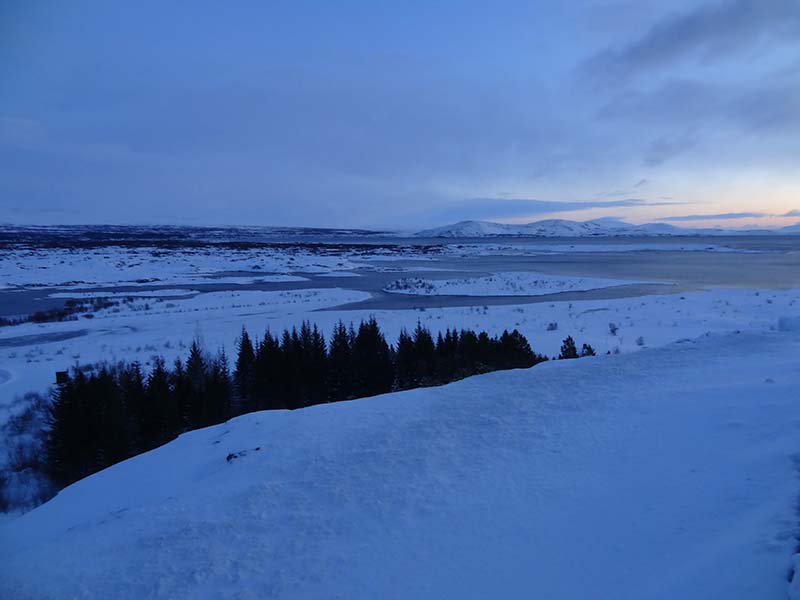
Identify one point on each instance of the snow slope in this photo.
(546, 228)
(667, 473)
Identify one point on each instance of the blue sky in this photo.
(412, 114)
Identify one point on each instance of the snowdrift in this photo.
(662, 474)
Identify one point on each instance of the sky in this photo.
(399, 114)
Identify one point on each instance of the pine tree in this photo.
(244, 375)
(311, 354)
(485, 352)
(182, 393)
(372, 360)
(217, 391)
(111, 425)
(162, 422)
(514, 351)
(469, 353)
(405, 362)
(68, 457)
(568, 349)
(196, 378)
(317, 366)
(268, 374)
(339, 370)
(449, 362)
(290, 377)
(132, 389)
(587, 350)
(424, 356)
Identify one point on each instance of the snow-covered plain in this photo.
(502, 284)
(107, 266)
(153, 326)
(669, 473)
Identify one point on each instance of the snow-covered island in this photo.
(502, 284)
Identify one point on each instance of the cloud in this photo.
(506, 208)
(713, 31)
(718, 217)
(792, 213)
(664, 148)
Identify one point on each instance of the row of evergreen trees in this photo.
(101, 417)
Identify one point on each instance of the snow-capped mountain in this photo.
(566, 228)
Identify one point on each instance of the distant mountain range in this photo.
(595, 228)
(56, 235)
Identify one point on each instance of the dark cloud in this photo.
(712, 31)
(765, 102)
(664, 148)
(718, 217)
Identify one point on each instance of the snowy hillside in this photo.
(549, 228)
(565, 228)
(662, 474)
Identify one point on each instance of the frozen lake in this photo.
(669, 265)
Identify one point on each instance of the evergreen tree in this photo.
(162, 420)
(68, 457)
(587, 350)
(515, 351)
(485, 352)
(568, 349)
(405, 362)
(244, 377)
(268, 374)
(217, 391)
(311, 354)
(318, 366)
(424, 356)
(111, 422)
(449, 361)
(340, 384)
(195, 378)
(132, 389)
(372, 360)
(289, 377)
(182, 393)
